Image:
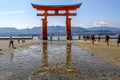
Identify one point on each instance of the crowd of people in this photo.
(93, 38)
(85, 37)
(107, 37)
(11, 41)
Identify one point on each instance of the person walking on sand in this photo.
(107, 39)
(118, 40)
(93, 39)
(23, 40)
(18, 40)
(99, 38)
(50, 37)
(79, 37)
(11, 42)
(58, 38)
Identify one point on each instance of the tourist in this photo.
(83, 37)
(51, 38)
(79, 37)
(118, 40)
(58, 38)
(107, 39)
(32, 37)
(23, 40)
(38, 37)
(18, 40)
(11, 42)
(93, 39)
(99, 38)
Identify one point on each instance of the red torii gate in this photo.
(56, 9)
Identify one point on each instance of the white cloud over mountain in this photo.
(102, 23)
(95, 24)
(26, 25)
(80, 24)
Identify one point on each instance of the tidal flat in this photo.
(53, 61)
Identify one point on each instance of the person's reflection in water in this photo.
(11, 54)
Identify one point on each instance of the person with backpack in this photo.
(107, 37)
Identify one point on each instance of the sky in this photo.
(92, 13)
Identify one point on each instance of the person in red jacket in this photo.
(93, 39)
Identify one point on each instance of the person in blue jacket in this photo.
(118, 40)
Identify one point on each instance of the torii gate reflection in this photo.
(45, 64)
(56, 9)
(45, 54)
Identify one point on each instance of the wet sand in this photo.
(4, 44)
(109, 53)
(60, 60)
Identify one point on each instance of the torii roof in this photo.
(56, 7)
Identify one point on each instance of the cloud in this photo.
(12, 12)
(95, 24)
(102, 23)
(80, 24)
(25, 25)
(21, 26)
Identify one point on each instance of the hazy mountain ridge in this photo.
(104, 28)
(38, 30)
(52, 29)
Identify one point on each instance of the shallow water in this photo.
(50, 61)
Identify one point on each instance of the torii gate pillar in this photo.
(44, 29)
(68, 28)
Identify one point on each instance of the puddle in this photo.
(47, 61)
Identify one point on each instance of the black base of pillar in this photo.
(45, 38)
(69, 38)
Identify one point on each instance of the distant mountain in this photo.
(53, 29)
(62, 29)
(37, 31)
(104, 28)
(8, 30)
